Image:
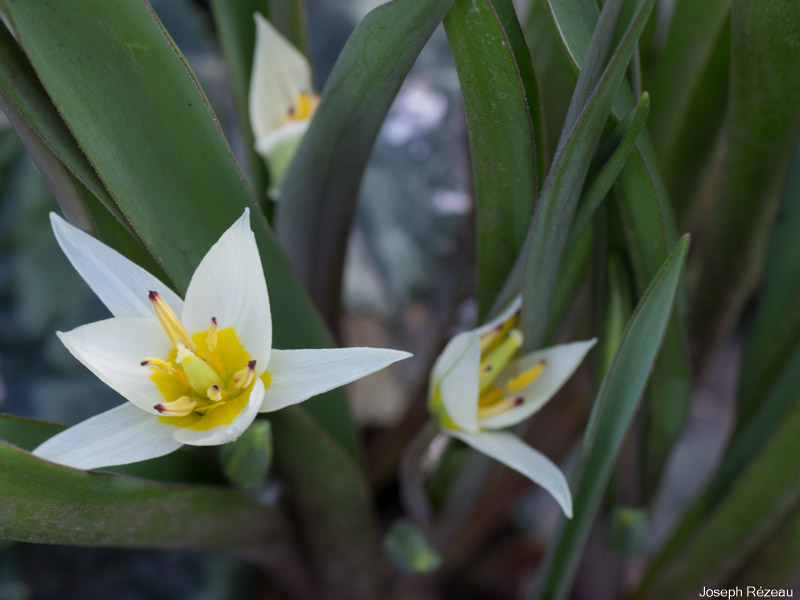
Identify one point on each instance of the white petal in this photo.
(297, 375)
(506, 314)
(229, 285)
(280, 74)
(118, 436)
(225, 433)
(514, 453)
(284, 139)
(121, 285)
(560, 363)
(456, 372)
(114, 349)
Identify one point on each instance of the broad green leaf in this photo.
(752, 514)
(612, 415)
(677, 71)
(555, 210)
(325, 483)
(135, 108)
(762, 128)
(697, 131)
(570, 276)
(47, 503)
(247, 461)
(182, 466)
(320, 190)
(501, 136)
(236, 30)
(289, 17)
(775, 331)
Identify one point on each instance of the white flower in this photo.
(480, 384)
(282, 98)
(199, 379)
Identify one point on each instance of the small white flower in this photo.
(197, 379)
(282, 98)
(480, 384)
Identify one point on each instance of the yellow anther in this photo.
(200, 375)
(177, 408)
(211, 338)
(525, 378)
(243, 378)
(494, 362)
(490, 339)
(304, 107)
(156, 364)
(491, 397)
(204, 410)
(214, 393)
(170, 322)
(506, 404)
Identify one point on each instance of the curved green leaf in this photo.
(47, 503)
(612, 415)
(502, 140)
(321, 187)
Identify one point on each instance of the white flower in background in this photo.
(199, 379)
(480, 383)
(282, 99)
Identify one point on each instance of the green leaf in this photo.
(775, 331)
(409, 550)
(502, 140)
(289, 17)
(334, 502)
(752, 514)
(247, 461)
(182, 466)
(321, 187)
(623, 139)
(237, 39)
(135, 108)
(554, 212)
(612, 415)
(762, 127)
(47, 503)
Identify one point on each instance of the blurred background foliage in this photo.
(699, 487)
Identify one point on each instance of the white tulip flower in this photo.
(282, 99)
(480, 384)
(197, 379)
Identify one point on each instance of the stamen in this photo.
(489, 339)
(200, 375)
(211, 338)
(156, 364)
(494, 361)
(525, 378)
(170, 322)
(492, 396)
(484, 412)
(243, 378)
(177, 408)
(214, 393)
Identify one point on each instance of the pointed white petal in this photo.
(225, 433)
(456, 372)
(297, 375)
(280, 74)
(229, 285)
(121, 285)
(560, 363)
(114, 349)
(514, 453)
(118, 436)
(506, 314)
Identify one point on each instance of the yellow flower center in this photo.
(207, 377)
(304, 106)
(498, 347)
